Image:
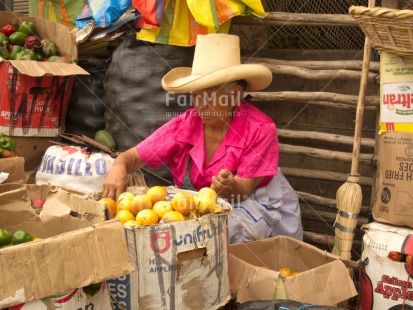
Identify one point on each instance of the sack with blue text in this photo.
(74, 167)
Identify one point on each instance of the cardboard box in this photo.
(394, 195)
(32, 149)
(77, 248)
(35, 95)
(182, 265)
(73, 299)
(323, 277)
(396, 93)
(386, 284)
(13, 169)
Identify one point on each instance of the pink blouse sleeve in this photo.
(158, 149)
(260, 158)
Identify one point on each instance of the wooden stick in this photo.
(297, 19)
(360, 107)
(322, 175)
(323, 201)
(324, 154)
(322, 136)
(310, 74)
(324, 239)
(310, 97)
(314, 64)
(329, 217)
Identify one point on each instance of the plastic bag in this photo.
(104, 13)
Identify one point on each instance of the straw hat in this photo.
(217, 61)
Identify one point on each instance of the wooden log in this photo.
(314, 64)
(323, 201)
(325, 239)
(309, 97)
(338, 105)
(329, 217)
(310, 74)
(322, 136)
(365, 159)
(297, 19)
(322, 175)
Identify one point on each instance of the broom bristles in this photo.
(349, 199)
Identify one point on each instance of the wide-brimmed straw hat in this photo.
(217, 61)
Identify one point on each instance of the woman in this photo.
(224, 142)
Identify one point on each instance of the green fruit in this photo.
(27, 28)
(38, 55)
(4, 52)
(53, 58)
(14, 51)
(21, 236)
(5, 237)
(49, 48)
(4, 40)
(17, 38)
(105, 138)
(25, 55)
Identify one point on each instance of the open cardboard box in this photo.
(180, 265)
(77, 248)
(323, 277)
(35, 98)
(14, 167)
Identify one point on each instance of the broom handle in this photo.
(361, 101)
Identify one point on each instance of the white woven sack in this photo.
(74, 167)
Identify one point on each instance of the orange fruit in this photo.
(294, 273)
(131, 223)
(183, 202)
(125, 204)
(209, 192)
(157, 193)
(172, 216)
(139, 203)
(206, 204)
(125, 216)
(111, 205)
(217, 209)
(408, 259)
(125, 195)
(147, 217)
(161, 207)
(285, 271)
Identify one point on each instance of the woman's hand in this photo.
(223, 183)
(234, 188)
(116, 181)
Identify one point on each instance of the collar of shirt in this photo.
(192, 133)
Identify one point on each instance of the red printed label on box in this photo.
(33, 106)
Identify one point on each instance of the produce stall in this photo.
(80, 88)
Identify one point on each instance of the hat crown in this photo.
(214, 52)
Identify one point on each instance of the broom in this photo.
(349, 196)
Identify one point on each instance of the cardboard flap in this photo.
(15, 167)
(248, 282)
(326, 285)
(40, 68)
(55, 265)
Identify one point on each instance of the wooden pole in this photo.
(322, 136)
(315, 65)
(297, 19)
(310, 97)
(310, 74)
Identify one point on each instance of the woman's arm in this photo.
(232, 187)
(116, 180)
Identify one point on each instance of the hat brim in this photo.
(181, 80)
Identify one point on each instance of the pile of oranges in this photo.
(155, 206)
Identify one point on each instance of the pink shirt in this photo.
(250, 147)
